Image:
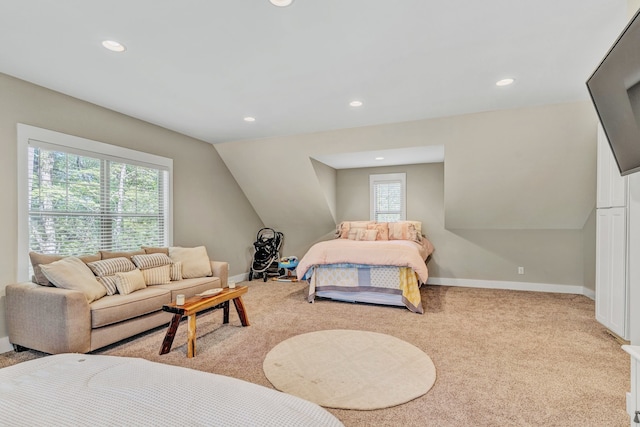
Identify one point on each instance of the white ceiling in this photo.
(398, 156)
(200, 67)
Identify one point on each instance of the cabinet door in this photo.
(611, 277)
(611, 186)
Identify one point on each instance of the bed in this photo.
(74, 389)
(380, 267)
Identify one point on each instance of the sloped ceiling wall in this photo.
(521, 169)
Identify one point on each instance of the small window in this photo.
(388, 197)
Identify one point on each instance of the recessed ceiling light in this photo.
(356, 103)
(505, 82)
(379, 158)
(249, 119)
(113, 46)
(281, 3)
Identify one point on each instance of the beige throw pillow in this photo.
(176, 271)
(38, 259)
(157, 275)
(195, 261)
(71, 273)
(130, 281)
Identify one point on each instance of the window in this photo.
(79, 196)
(388, 197)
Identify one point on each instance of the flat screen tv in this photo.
(615, 91)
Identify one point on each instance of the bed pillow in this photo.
(417, 225)
(382, 228)
(367, 235)
(195, 261)
(403, 230)
(130, 281)
(151, 260)
(342, 231)
(71, 273)
(157, 275)
(349, 228)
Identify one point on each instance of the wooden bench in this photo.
(192, 306)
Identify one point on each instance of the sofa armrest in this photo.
(48, 319)
(220, 269)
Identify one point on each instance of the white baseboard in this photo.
(5, 345)
(239, 278)
(515, 286)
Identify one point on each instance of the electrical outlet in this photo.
(520, 270)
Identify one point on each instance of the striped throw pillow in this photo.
(130, 281)
(176, 271)
(157, 275)
(151, 260)
(109, 267)
(109, 282)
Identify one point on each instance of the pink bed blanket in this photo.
(400, 253)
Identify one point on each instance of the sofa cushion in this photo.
(130, 281)
(116, 308)
(154, 250)
(157, 275)
(195, 261)
(151, 260)
(108, 254)
(38, 259)
(71, 273)
(190, 287)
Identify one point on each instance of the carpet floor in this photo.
(503, 358)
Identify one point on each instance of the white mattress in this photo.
(80, 389)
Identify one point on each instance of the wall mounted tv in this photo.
(615, 91)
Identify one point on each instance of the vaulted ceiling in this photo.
(200, 68)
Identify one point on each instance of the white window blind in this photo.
(388, 197)
(81, 201)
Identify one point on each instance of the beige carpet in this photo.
(350, 369)
(504, 358)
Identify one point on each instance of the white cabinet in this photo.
(611, 266)
(612, 188)
(633, 398)
(612, 225)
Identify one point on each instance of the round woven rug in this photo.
(350, 369)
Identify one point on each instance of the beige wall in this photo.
(209, 206)
(517, 189)
(548, 256)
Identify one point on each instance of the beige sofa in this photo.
(55, 320)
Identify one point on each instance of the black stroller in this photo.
(267, 253)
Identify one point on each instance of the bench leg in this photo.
(225, 315)
(242, 313)
(191, 342)
(171, 334)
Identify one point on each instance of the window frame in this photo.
(75, 145)
(388, 177)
